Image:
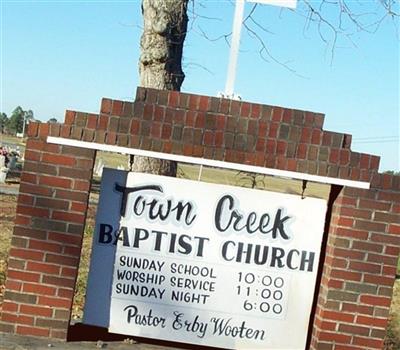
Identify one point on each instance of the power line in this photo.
(376, 141)
(376, 137)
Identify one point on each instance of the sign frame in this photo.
(116, 328)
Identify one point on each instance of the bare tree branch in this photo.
(336, 22)
(223, 36)
(351, 18)
(194, 64)
(265, 51)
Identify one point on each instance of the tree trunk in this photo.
(160, 65)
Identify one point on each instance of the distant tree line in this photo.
(15, 123)
(392, 172)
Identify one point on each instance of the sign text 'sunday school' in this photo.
(203, 263)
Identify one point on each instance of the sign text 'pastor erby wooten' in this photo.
(205, 264)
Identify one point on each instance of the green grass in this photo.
(392, 341)
(228, 177)
(7, 215)
(112, 160)
(81, 282)
(12, 139)
(271, 183)
(398, 266)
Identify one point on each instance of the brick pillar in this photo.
(47, 238)
(359, 268)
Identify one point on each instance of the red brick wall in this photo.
(359, 267)
(46, 243)
(362, 243)
(221, 129)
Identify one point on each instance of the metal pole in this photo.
(234, 52)
(23, 126)
(200, 172)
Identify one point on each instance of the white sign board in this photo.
(282, 3)
(207, 264)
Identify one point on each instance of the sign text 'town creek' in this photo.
(201, 263)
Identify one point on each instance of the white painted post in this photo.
(235, 42)
(281, 3)
(234, 52)
(23, 126)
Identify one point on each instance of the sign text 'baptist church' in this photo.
(201, 263)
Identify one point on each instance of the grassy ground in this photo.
(5, 139)
(80, 288)
(393, 331)
(7, 215)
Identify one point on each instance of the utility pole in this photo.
(234, 51)
(235, 43)
(236, 29)
(23, 125)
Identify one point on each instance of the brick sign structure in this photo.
(362, 233)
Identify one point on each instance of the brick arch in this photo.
(228, 130)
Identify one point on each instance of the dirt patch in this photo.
(392, 341)
(7, 215)
(80, 288)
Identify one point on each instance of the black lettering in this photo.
(186, 246)
(264, 222)
(140, 235)
(218, 213)
(278, 225)
(225, 250)
(125, 237)
(181, 208)
(241, 251)
(157, 213)
(127, 190)
(289, 260)
(172, 243)
(132, 312)
(136, 206)
(309, 261)
(157, 244)
(105, 235)
(258, 259)
(228, 217)
(200, 245)
(276, 257)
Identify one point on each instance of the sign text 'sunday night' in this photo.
(204, 264)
